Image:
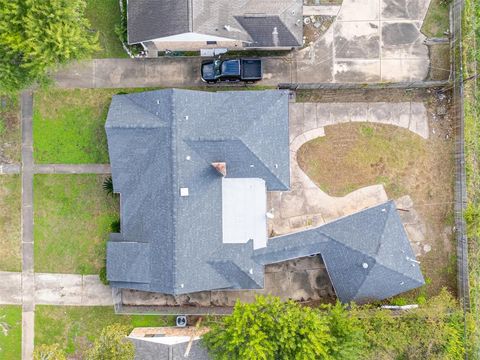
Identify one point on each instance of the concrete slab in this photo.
(309, 117)
(56, 289)
(324, 114)
(296, 120)
(322, 10)
(404, 69)
(359, 10)
(419, 120)
(28, 334)
(356, 40)
(10, 288)
(95, 293)
(397, 114)
(78, 74)
(357, 71)
(403, 41)
(404, 9)
(357, 112)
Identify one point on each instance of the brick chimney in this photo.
(221, 167)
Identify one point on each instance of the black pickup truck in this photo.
(248, 70)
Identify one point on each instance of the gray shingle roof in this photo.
(145, 350)
(251, 21)
(151, 19)
(374, 237)
(161, 141)
(267, 31)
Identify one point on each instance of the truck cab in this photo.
(249, 70)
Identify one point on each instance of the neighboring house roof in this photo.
(162, 143)
(148, 350)
(261, 23)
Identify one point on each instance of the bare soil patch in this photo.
(351, 156)
(315, 26)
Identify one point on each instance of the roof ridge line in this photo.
(274, 105)
(175, 190)
(190, 15)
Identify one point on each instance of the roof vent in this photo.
(186, 117)
(227, 27)
(158, 102)
(365, 265)
(275, 36)
(221, 167)
(188, 157)
(184, 191)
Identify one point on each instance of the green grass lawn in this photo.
(72, 217)
(436, 21)
(10, 231)
(104, 15)
(10, 135)
(74, 328)
(10, 332)
(68, 125)
(355, 155)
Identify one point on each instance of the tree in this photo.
(48, 352)
(36, 36)
(270, 329)
(347, 332)
(112, 345)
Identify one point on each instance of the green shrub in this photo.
(115, 226)
(103, 276)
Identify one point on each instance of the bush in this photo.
(108, 185)
(115, 226)
(49, 352)
(103, 276)
(112, 345)
(271, 329)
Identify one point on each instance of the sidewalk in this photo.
(56, 289)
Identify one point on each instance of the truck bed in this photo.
(251, 69)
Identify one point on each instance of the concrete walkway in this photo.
(28, 282)
(9, 169)
(56, 289)
(27, 288)
(306, 205)
(72, 169)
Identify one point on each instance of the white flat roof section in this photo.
(244, 208)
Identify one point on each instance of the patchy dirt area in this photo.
(10, 136)
(355, 155)
(315, 26)
(304, 279)
(439, 61)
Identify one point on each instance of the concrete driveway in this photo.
(370, 41)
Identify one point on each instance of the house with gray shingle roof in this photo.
(193, 170)
(198, 24)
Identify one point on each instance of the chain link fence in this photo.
(460, 178)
